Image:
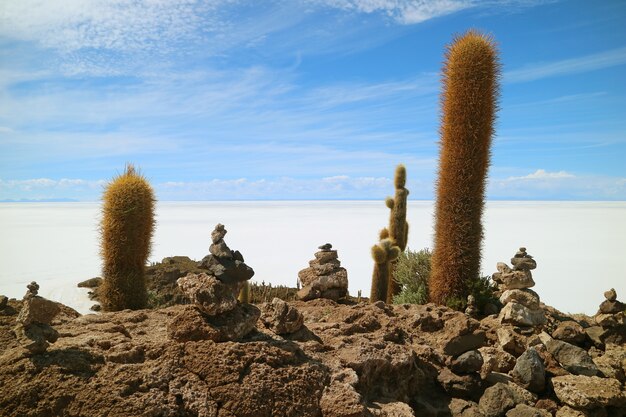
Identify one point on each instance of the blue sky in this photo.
(301, 99)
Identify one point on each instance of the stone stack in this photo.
(33, 328)
(324, 278)
(521, 304)
(215, 313)
(611, 317)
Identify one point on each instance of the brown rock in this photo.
(496, 360)
(460, 334)
(570, 332)
(610, 295)
(467, 363)
(588, 392)
(464, 408)
(520, 315)
(326, 256)
(516, 280)
(500, 398)
(463, 386)
(281, 318)
(547, 404)
(612, 307)
(208, 293)
(38, 310)
(526, 297)
(523, 410)
(192, 325)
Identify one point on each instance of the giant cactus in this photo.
(384, 253)
(126, 230)
(398, 227)
(469, 104)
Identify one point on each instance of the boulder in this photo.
(572, 358)
(570, 331)
(496, 360)
(520, 315)
(588, 392)
(280, 317)
(192, 324)
(514, 280)
(39, 310)
(500, 398)
(467, 363)
(529, 371)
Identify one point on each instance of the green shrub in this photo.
(413, 273)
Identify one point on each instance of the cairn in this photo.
(324, 278)
(521, 304)
(611, 317)
(216, 313)
(472, 309)
(33, 330)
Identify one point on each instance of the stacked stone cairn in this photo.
(33, 330)
(611, 317)
(324, 278)
(521, 304)
(215, 313)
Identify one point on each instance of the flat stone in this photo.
(516, 280)
(526, 297)
(530, 372)
(572, 358)
(523, 264)
(520, 315)
(326, 256)
(588, 392)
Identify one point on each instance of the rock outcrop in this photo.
(215, 314)
(324, 278)
(521, 304)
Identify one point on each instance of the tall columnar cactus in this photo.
(384, 253)
(126, 231)
(469, 104)
(398, 227)
(244, 293)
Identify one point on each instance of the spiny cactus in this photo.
(384, 253)
(469, 105)
(126, 230)
(398, 227)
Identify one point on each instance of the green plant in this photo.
(398, 227)
(383, 254)
(413, 273)
(126, 229)
(469, 104)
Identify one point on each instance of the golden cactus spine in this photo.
(398, 227)
(469, 104)
(244, 293)
(384, 253)
(126, 232)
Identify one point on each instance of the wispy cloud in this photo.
(591, 62)
(542, 174)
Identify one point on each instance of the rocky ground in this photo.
(315, 358)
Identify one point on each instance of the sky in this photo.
(301, 99)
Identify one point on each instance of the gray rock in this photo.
(588, 392)
(523, 264)
(462, 386)
(610, 295)
(523, 410)
(526, 297)
(500, 398)
(530, 372)
(324, 278)
(228, 271)
(218, 233)
(281, 318)
(520, 315)
(210, 295)
(221, 250)
(325, 247)
(469, 362)
(572, 358)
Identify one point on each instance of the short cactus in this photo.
(398, 227)
(469, 104)
(384, 253)
(126, 230)
(244, 293)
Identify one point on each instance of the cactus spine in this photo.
(126, 231)
(398, 227)
(469, 104)
(384, 253)
(244, 293)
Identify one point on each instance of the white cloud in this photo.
(542, 174)
(577, 65)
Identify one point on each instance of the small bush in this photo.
(413, 274)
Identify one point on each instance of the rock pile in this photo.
(33, 330)
(611, 317)
(521, 304)
(324, 278)
(215, 314)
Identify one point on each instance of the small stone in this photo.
(523, 264)
(469, 362)
(220, 250)
(90, 283)
(37, 309)
(326, 256)
(33, 289)
(471, 309)
(325, 247)
(610, 295)
(529, 371)
(281, 317)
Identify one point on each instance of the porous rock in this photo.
(520, 315)
(570, 331)
(588, 392)
(209, 294)
(526, 297)
(529, 371)
(523, 410)
(500, 398)
(464, 408)
(281, 317)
